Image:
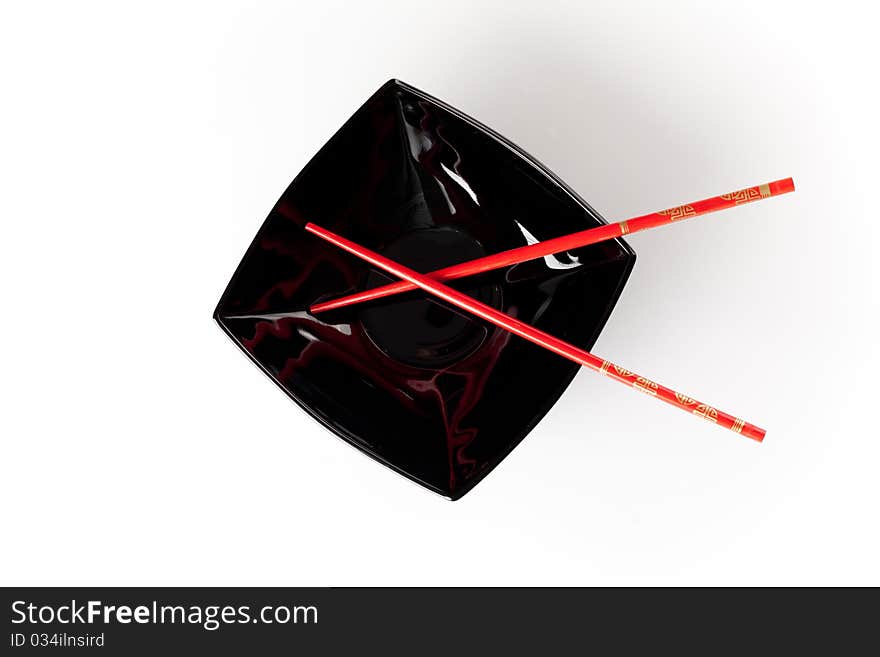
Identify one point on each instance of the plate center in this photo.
(418, 330)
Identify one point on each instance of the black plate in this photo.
(434, 394)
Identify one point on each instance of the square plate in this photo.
(432, 393)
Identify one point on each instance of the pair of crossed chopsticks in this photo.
(411, 280)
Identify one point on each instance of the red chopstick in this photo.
(541, 338)
(572, 241)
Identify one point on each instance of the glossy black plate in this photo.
(439, 396)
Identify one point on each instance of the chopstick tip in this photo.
(782, 186)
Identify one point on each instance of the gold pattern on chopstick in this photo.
(684, 399)
(604, 368)
(738, 425)
(622, 371)
(645, 385)
(707, 412)
(747, 195)
(624, 228)
(680, 212)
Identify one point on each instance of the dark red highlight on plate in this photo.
(543, 339)
(472, 372)
(572, 241)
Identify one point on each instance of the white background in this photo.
(140, 150)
